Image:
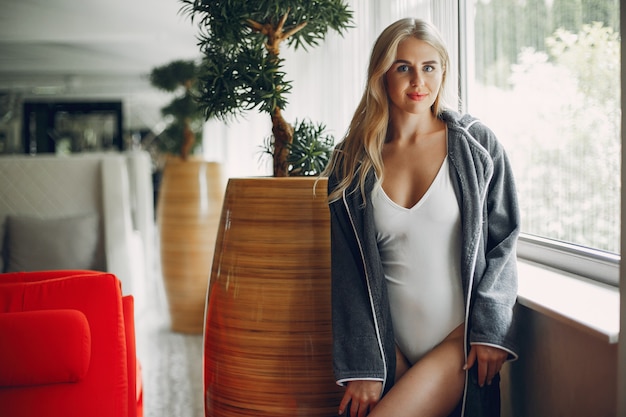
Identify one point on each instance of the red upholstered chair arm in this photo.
(135, 388)
(43, 347)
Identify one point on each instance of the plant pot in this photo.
(188, 212)
(267, 343)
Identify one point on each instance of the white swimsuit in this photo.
(420, 249)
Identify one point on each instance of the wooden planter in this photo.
(267, 343)
(188, 212)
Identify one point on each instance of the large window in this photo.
(545, 76)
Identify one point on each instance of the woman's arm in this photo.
(495, 295)
(356, 349)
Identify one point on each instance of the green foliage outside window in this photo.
(549, 85)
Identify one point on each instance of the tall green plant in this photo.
(183, 133)
(242, 69)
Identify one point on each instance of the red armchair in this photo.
(67, 346)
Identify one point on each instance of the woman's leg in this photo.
(431, 387)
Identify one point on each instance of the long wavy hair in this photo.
(361, 148)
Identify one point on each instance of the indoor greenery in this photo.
(310, 150)
(242, 67)
(184, 132)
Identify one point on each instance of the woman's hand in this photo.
(362, 396)
(490, 360)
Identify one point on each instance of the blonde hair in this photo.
(362, 146)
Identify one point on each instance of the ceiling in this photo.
(90, 49)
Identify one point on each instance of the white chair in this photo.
(49, 188)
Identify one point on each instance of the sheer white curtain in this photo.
(327, 83)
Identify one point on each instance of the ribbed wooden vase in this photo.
(267, 342)
(188, 212)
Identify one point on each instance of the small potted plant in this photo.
(189, 198)
(184, 130)
(267, 330)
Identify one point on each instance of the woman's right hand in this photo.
(361, 396)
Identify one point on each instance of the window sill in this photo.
(588, 305)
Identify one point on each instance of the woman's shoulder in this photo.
(472, 129)
(464, 121)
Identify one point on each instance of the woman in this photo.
(424, 224)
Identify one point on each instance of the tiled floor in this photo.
(171, 362)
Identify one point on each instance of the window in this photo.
(545, 76)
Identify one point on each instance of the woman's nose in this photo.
(415, 79)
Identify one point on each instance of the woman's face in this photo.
(415, 77)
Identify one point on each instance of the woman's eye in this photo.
(429, 68)
(403, 68)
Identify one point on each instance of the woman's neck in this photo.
(412, 127)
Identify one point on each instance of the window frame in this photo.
(574, 259)
(565, 257)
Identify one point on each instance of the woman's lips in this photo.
(417, 96)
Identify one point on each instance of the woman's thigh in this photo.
(433, 386)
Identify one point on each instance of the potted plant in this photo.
(189, 198)
(267, 331)
(183, 132)
(242, 69)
